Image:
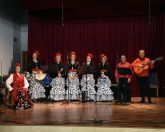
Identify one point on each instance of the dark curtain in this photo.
(159, 49)
(113, 36)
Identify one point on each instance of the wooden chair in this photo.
(154, 85)
(7, 97)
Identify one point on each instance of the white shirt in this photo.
(9, 81)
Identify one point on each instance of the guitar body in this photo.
(138, 70)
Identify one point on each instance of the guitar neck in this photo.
(157, 59)
(146, 64)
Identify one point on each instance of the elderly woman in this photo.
(18, 86)
(34, 62)
(104, 65)
(88, 72)
(57, 72)
(72, 81)
(104, 92)
(40, 85)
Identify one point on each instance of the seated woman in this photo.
(18, 86)
(88, 72)
(39, 85)
(44, 79)
(57, 72)
(72, 81)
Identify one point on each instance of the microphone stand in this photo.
(66, 73)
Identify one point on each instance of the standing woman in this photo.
(57, 72)
(34, 62)
(104, 93)
(36, 90)
(88, 72)
(104, 65)
(72, 81)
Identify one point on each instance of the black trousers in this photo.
(144, 87)
(124, 93)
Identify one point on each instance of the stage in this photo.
(89, 114)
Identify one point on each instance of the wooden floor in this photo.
(89, 114)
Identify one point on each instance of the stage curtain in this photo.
(113, 36)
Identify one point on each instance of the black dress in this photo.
(34, 65)
(88, 72)
(106, 67)
(55, 68)
(58, 83)
(72, 81)
(74, 66)
(88, 69)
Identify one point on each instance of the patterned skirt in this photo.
(73, 88)
(88, 85)
(36, 90)
(23, 101)
(104, 93)
(58, 89)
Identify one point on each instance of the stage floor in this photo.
(89, 114)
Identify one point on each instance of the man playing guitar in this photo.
(141, 67)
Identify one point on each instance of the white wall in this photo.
(6, 44)
(24, 37)
(10, 34)
(10, 50)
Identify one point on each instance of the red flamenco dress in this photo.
(20, 93)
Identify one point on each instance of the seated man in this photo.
(18, 86)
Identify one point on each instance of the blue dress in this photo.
(38, 88)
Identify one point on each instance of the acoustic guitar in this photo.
(139, 69)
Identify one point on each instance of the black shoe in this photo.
(130, 102)
(34, 100)
(149, 101)
(142, 101)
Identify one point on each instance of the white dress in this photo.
(36, 89)
(104, 93)
(58, 89)
(72, 83)
(88, 85)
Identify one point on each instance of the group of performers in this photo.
(59, 82)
